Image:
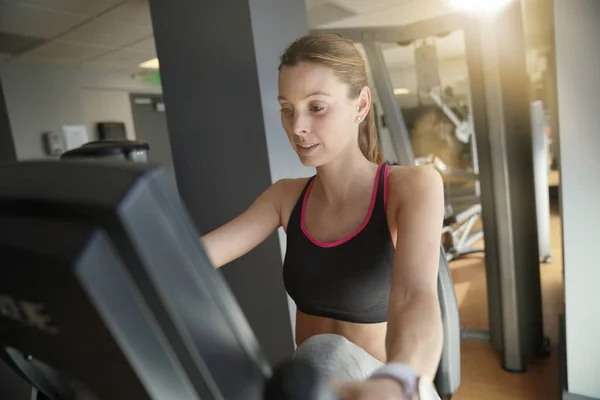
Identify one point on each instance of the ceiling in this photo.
(118, 33)
(92, 33)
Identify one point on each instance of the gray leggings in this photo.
(337, 358)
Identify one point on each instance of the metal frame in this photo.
(500, 267)
(491, 165)
(395, 120)
(405, 33)
(461, 232)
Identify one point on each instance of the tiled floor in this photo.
(482, 374)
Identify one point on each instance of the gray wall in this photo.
(226, 142)
(39, 100)
(11, 385)
(577, 38)
(102, 105)
(151, 127)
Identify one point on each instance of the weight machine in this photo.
(459, 231)
(462, 223)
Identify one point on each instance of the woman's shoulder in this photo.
(291, 188)
(410, 182)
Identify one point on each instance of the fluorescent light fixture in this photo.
(401, 91)
(485, 6)
(150, 64)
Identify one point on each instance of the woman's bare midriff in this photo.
(370, 337)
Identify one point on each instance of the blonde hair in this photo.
(342, 56)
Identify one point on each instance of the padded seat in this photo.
(447, 379)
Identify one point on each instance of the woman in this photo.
(363, 238)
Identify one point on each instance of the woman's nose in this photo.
(301, 125)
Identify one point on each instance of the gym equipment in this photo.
(107, 293)
(125, 150)
(464, 129)
(541, 169)
(459, 232)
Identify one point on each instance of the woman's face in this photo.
(317, 114)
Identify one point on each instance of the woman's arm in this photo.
(415, 335)
(248, 230)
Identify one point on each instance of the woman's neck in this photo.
(344, 177)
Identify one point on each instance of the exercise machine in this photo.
(462, 229)
(107, 293)
(541, 169)
(119, 149)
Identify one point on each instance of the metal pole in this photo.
(477, 97)
(395, 121)
(511, 343)
(513, 265)
(541, 170)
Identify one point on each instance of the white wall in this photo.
(41, 98)
(578, 57)
(38, 100)
(106, 105)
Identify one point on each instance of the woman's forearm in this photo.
(415, 334)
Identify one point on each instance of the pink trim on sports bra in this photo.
(385, 197)
(356, 232)
(385, 187)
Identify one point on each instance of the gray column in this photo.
(11, 385)
(7, 146)
(219, 71)
(508, 195)
(577, 50)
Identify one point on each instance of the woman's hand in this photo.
(372, 389)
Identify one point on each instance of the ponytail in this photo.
(367, 139)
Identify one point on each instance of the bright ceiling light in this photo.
(401, 91)
(485, 6)
(150, 64)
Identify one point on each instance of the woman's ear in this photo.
(364, 103)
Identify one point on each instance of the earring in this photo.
(358, 119)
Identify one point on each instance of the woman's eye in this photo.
(317, 108)
(285, 110)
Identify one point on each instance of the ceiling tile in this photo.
(105, 33)
(83, 7)
(122, 57)
(46, 62)
(112, 65)
(147, 46)
(21, 19)
(12, 44)
(135, 12)
(65, 52)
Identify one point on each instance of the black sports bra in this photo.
(350, 279)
